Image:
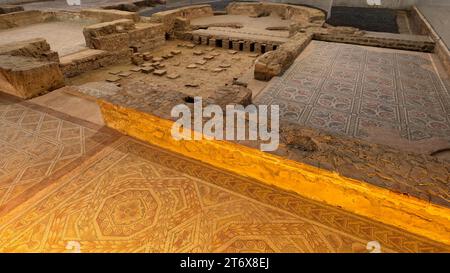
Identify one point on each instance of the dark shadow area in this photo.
(370, 19)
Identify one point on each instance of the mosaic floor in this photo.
(126, 196)
(364, 92)
(35, 145)
(131, 197)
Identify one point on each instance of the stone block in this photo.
(105, 29)
(113, 42)
(36, 48)
(105, 15)
(27, 77)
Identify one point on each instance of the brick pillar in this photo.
(257, 47)
(247, 46)
(204, 40)
(212, 42)
(236, 45)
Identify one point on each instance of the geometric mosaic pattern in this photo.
(35, 145)
(350, 90)
(133, 197)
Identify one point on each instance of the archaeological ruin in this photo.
(87, 96)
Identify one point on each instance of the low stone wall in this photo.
(96, 36)
(29, 68)
(4, 9)
(29, 17)
(36, 48)
(146, 36)
(90, 59)
(289, 12)
(274, 63)
(27, 77)
(123, 34)
(103, 15)
(250, 45)
(23, 18)
(168, 18)
(381, 39)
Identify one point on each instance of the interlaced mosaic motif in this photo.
(34, 145)
(350, 89)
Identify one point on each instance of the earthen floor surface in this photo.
(202, 80)
(63, 179)
(63, 37)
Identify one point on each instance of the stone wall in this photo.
(36, 48)
(29, 17)
(97, 36)
(90, 59)
(27, 77)
(121, 35)
(299, 14)
(168, 18)
(381, 39)
(4, 9)
(146, 36)
(23, 18)
(103, 15)
(29, 68)
(274, 63)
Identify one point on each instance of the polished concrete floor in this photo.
(388, 96)
(68, 183)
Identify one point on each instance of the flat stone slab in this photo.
(147, 70)
(113, 79)
(159, 72)
(173, 76)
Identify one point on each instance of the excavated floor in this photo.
(63, 37)
(202, 80)
(110, 193)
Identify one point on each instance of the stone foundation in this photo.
(4, 9)
(120, 35)
(103, 15)
(90, 59)
(29, 68)
(274, 63)
(300, 14)
(254, 45)
(169, 18)
(23, 18)
(36, 48)
(27, 77)
(381, 39)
